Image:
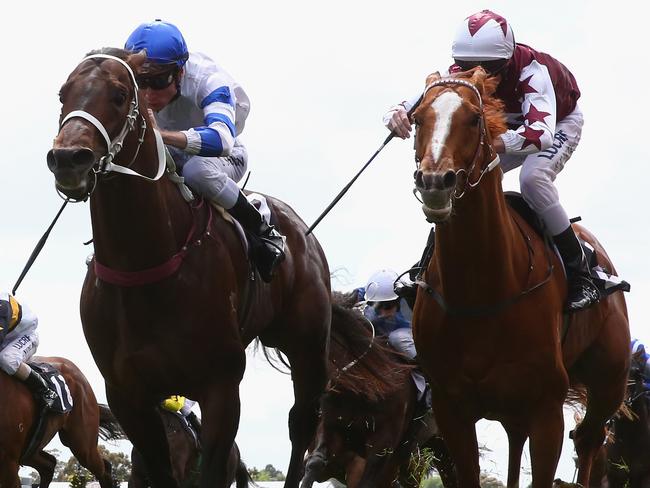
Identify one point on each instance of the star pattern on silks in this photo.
(532, 137)
(535, 115)
(478, 20)
(524, 86)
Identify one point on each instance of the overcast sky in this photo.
(319, 77)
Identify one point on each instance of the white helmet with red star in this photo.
(483, 36)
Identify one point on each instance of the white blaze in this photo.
(445, 106)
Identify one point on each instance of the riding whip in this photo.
(38, 248)
(347, 187)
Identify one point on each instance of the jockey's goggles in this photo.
(158, 81)
(493, 66)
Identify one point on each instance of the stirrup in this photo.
(582, 295)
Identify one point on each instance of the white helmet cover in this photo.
(380, 286)
(483, 36)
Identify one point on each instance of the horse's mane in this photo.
(378, 370)
(493, 108)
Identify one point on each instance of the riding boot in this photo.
(582, 293)
(408, 291)
(194, 421)
(269, 248)
(44, 396)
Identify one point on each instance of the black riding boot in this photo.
(582, 291)
(44, 396)
(269, 250)
(408, 291)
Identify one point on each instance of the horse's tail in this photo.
(109, 427)
(242, 476)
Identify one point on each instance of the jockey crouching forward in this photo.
(641, 361)
(389, 320)
(200, 111)
(18, 343)
(545, 124)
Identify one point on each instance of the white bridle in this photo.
(114, 146)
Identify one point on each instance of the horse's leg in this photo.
(459, 434)
(9, 474)
(144, 428)
(516, 440)
(309, 375)
(546, 431)
(80, 433)
(443, 462)
(220, 408)
(354, 471)
(44, 463)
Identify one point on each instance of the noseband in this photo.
(482, 141)
(105, 163)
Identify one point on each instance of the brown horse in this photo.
(170, 301)
(488, 320)
(78, 429)
(185, 453)
(367, 431)
(627, 455)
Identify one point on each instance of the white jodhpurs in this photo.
(214, 178)
(538, 172)
(402, 340)
(20, 344)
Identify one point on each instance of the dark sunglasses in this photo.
(157, 82)
(493, 67)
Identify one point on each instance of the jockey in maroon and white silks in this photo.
(544, 128)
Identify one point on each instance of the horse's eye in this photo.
(61, 97)
(475, 119)
(119, 97)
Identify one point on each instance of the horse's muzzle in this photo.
(71, 167)
(436, 189)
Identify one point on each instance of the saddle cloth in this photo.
(56, 382)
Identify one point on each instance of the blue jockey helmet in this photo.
(163, 41)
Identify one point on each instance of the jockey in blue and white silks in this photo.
(544, 128)
(200, 111)
(18, 343)
(637, 347)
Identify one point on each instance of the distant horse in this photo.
(628, 454)
(367, 432)
(185, 453)
(169, 303)
(488, 319)
(78, 429)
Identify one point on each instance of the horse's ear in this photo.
(433, 77)
(137, 60)
(478, 78)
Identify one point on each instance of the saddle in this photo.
(56, 382)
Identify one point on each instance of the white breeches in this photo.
(20, 344)
(538, 172)
(402, 340)
(214, 178)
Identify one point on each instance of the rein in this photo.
(474, 312)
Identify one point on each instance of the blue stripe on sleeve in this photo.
(211, 144)
(221, 94)
(216, 117)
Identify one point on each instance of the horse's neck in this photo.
(137, 223)
(474, 250)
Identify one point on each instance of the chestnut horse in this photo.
(170, 301)
(78, 429)
(488, 319)
(367, 430)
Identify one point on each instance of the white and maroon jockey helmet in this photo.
(483, 36)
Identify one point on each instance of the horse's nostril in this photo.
(449, 179)
(69, 158)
